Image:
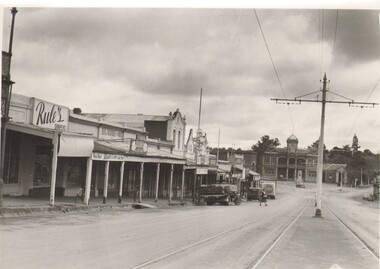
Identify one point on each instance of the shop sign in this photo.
(49, 115)
(108, 132)
(213, 162)
(139, 146)
(97, 156)
(202, 171)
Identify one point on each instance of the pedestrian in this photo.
(263, 197)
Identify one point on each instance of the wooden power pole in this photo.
(318, 212)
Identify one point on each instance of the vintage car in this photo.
(253, 194)
(219, 193)
(300, 184)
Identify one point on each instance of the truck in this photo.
(219, 193)
(269, 188)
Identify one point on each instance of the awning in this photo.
(109, 147)
(253, 173)
(70, 144)
(30, 129)
(75, 146)
(116, 151)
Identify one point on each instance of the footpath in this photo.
(323, 242)
(30, 206)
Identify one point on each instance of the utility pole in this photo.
(297, 100)
(6, 93)
(217, 157)
(200, 111)
(361, 177)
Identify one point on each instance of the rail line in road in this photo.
(362, 242)
(257, 262)
(236, 228)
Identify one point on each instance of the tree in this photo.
(355, 144)
(346, 148)
(315, 146)
(263, 145)
(367, 152)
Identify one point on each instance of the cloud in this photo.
(152, 61)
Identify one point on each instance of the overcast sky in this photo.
(155, 60)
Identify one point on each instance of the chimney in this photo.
(77, 110)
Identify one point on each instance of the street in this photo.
(178, 237)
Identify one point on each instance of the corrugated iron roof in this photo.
(333, 166)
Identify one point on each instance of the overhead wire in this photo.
(361, 109)
(336, 30)
(322, 24)
(274, 67)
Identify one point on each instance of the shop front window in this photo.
(77, 172)
(42, 171)
(114, 175)
(12, 158)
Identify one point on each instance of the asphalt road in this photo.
(189, 237)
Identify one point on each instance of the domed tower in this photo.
(292, 143)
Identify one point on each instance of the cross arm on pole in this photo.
(299, 101)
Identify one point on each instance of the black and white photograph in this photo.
(190, 135)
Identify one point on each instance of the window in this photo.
(12, 158)
(301, 161)
(179, 139)
(76, 172)
(282, 161)
(42, 171)
(174, 137)
(311, 162)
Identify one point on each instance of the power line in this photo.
(274, 67)
(360, 112)
(270, 55)
(322, 24)
(377, 83)
(336, 30)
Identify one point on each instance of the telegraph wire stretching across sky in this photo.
(274, 67)
(333, 51)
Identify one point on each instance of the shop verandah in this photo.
(137, 179)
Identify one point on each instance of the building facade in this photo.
(200, 166)
(50, 150)
(290, 163)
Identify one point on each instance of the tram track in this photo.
(257, 260)
(266, 251)
(354, 234)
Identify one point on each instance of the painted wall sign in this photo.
(202, 171)
(108, 132)
(108, 157)
(49, 115)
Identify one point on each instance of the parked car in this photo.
(253, 194)
(219, 193)
(300, 184)
(368, 197)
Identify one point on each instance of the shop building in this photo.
(126, 163)
(334, 173)
(51, 151)
(37, 138)
(200, 166)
